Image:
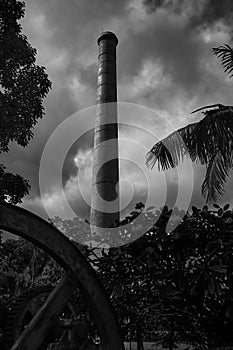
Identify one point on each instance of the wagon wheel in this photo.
(79, 274)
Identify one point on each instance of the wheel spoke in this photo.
(35, 332)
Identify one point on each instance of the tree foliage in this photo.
(23, 266)
(12, 187)
(23, 86)
(175, 287)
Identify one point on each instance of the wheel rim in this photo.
(36, 230)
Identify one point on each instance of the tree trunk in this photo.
(171, 336)
(139, 339)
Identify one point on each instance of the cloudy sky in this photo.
(165, 71)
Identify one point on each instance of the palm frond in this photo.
(217, 172)
(209, 141)
(218, 105)
(213, 133)
(225, 53)
(172, 149)
(199, 140)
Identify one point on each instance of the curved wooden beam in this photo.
(36, 230)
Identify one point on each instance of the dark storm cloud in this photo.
(170, 35)
(73, 28)
(215, 10)
(202, 12)
(86, 75)
(172, 42)
(175, 43)
(75, 23)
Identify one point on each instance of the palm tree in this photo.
(208, 142)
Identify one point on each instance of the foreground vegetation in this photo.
(167, 288)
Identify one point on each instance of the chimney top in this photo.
(107, 35)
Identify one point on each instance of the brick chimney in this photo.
(105, 175)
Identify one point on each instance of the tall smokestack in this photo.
(105, 176)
